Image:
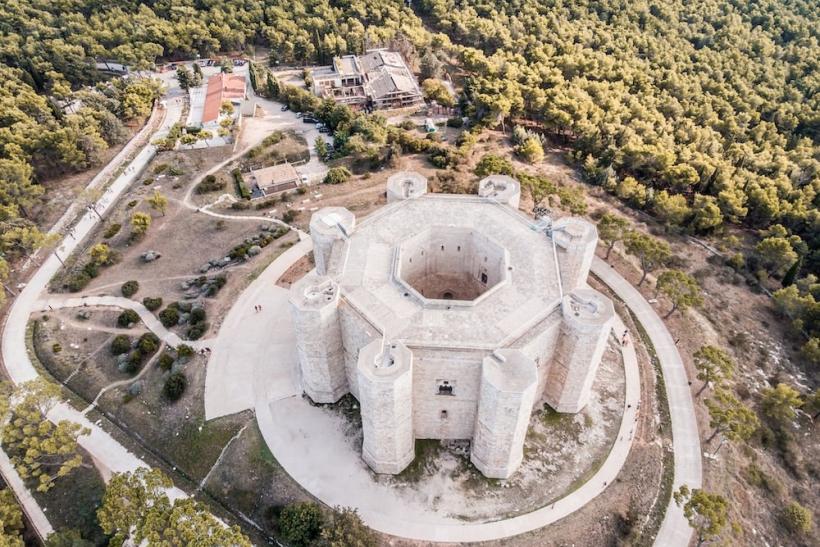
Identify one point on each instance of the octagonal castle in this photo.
(449, 317)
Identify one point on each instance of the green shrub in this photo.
(197, 316)
(241, 187)
(169, 317)
(165, 361)
(133, 203)
(112, 230)
(77, 281)
(455, 121)
(337, 175)
(148, 182)
(301, 523)
(127, 318)
(797, 518)
(120, 344)
(290, 215)
(175, 386)
(134, 361)
(184, 351)
(56, 347)
(152, 303)
(175, 171)
(491, 164)
(148, 343)
(160, 168)
(92, 269)
(196, 331)
(130, 288)
(210, 184)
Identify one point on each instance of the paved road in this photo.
(675, 530)
(254, 366)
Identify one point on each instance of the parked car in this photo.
(285, 108)
(304, 179)
(299, 114)
(324, 129)
(309, 119)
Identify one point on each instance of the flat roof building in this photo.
(273, 179)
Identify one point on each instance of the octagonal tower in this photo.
(508, 382)
(587, 321)
(576, 239)
(327, 226)
(501, 188)
(386, 394)
(406, 185)
(314, 305)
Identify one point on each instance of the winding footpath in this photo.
(109, 456)
(675, 529)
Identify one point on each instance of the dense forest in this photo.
(704, 113)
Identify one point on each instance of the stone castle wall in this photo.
(484, 395)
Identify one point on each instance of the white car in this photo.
(304, 179)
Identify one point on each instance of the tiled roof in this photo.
(222, 87)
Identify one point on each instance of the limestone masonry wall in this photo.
(441, 387)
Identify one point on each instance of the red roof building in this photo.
(221, 88)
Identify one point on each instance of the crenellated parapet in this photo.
(587, 318)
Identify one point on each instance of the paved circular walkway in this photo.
(254, 366)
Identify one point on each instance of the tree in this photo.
(797, 518)
(337, 175)
(429, 65)
(612, 229)
(67, 538)
(707, 213)
(491, 164)
(531, 150)
(158, 202)
(435, 90)
(681, 288)
(175, 386)
(11, 520)
(707, 513)
(100, 254)
(671, 208)
(321, 147)
(140, 222)
(272, 86)
(651, 252)
(89, 198)
(730, 417)
(776, 254)
(780, 402)
(346, 529)
(713, 365)
(135, 506)
(39, 449)
(184, 77)
(226, 66)
(301, 523)
(811, 405)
